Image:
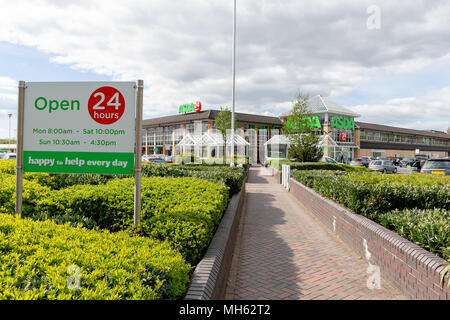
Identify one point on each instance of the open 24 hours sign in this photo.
(79, 127)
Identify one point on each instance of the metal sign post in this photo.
(19, 151)
(138, 152)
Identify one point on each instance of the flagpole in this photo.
(234, 85)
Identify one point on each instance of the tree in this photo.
(298, 128)
(448, 130)
(223, 123)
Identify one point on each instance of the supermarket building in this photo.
(336, 125)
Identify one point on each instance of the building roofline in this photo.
(386, 128)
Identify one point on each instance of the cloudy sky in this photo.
(387, 60)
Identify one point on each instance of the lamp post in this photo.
(9, 137)
(234, 82)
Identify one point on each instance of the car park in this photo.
(383, 166)
(436, 166)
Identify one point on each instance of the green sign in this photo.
(312, 122)
(184, 108)
(342, 122)
(79, 127)
(190, 107)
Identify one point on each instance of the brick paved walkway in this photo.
(283, 252)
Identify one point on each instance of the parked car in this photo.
(407, 161)
(7, 156)
(169, 159)
(383, 166)
(156, 159)
(327, 160)
(436, 166)
(360, 162)
(397, 161)
(145, 158)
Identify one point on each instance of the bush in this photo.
(184, 211)
(416, 207)
(233, 178)
(370, 199)
(36, 256)
(32, 193)
(316, 166)
(58, 181)
(429, 229)
(8, 166)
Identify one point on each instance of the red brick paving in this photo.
(285, 253)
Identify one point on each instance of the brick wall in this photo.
(413, 270)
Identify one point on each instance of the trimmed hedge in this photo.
(429, 229)
(233, 178)
(356, 192)
(316, 166)
(32, 193)
(184, 211)
(413, 206)
(36, 257)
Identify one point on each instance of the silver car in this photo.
(383, 166)
(437, 166)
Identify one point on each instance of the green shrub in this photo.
(416, 207)
(36, 256)
(429, 229)
(32, 193)
(233, 178)
(57, 181)
(8, 166)
(277, 164)
(353, 191)
(184, 211)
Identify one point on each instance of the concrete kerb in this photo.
(209, 280)
(384, 245)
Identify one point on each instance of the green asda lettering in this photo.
(184, 108)
(311, 122)
(42, 103)
(341, 122)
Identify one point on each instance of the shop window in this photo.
(391, 137)
(397, 138)
(178, 133)
(410, 139)
(159, 136)
(151, 137)
(378, 136)
(403, 139)
(362, 134)
(168, 134)
(385, 137)
(369, 135)
(144, 135)
(190, 128)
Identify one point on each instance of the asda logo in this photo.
(342, 122)
(310, 122)
(190, 107)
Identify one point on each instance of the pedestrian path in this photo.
(283, 252)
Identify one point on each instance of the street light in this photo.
(234, 82)
(9, 138)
